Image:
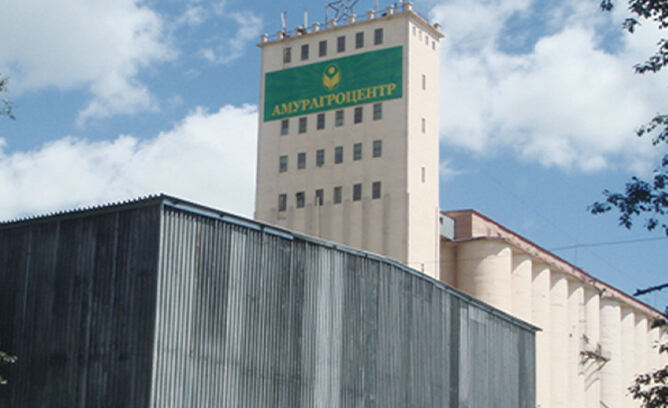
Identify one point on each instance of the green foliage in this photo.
(5, 104)
(652, 389)
(647, 198)
(6, 359)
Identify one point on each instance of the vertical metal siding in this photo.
(173, 307)
(248, 319)
(78, 297)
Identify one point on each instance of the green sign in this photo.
(363, 78)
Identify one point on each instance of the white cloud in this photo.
(233, 47)
(194, 15)
(81, 44)
(567, 102)
(207, 157)
(446, 170)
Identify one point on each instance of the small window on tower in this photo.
(282, 202)
(424, 125)
(358, 115)
(320, 157)
(357, 192)
(283, 164)
(378, 36)
(341, 44)
(338, 154)
(377, 111)
(285, 123)
(299, 199)
(287, 54)
(302, 125)
(424, 174)
(322, 48)
(337, 195)
(321, 121)
(301, 161)
(304, 52)
(357, 151)
(338, 120)
(375, 190)
(359, 40)
(377, 148)
(424, 81)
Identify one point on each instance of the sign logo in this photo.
(331, 77)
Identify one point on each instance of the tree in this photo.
(646, 198)
(5, 110)
(5, 104)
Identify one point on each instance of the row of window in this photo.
(337, 196)
(426, 38)
(358, 116)
(338, 156)
(340, 45)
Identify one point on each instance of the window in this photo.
(283, 164)
(414, 30)
(282, 202)
(338, 154)
(302, 125)
(337, 195)
(359, 40)
(322, 48)
(426, 39)
(338, 120)
(341, 44)
(378, 36)
(285, 126)
(357, 192)
(357, 151)
(433, 44)
(358, 114)
(301, 160)
(287, 54)
(424, 81)
(377, 111)
(377, 148)
(299, 199)
(375, 190)
(424, 174)
(321, 121)
(320, 157)
(304, 52)
(424, 125)
(319, 196)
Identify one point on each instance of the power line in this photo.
(598, 244)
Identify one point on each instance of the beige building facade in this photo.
(594, 339)
(348, 134)
(348, 151)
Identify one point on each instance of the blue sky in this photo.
(117, 99)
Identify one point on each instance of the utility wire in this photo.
(598, 244)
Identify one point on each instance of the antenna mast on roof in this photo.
(284, 21)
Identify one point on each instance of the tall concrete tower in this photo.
(348, 134)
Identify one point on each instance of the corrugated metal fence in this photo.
(246, 318)
(151, 305)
